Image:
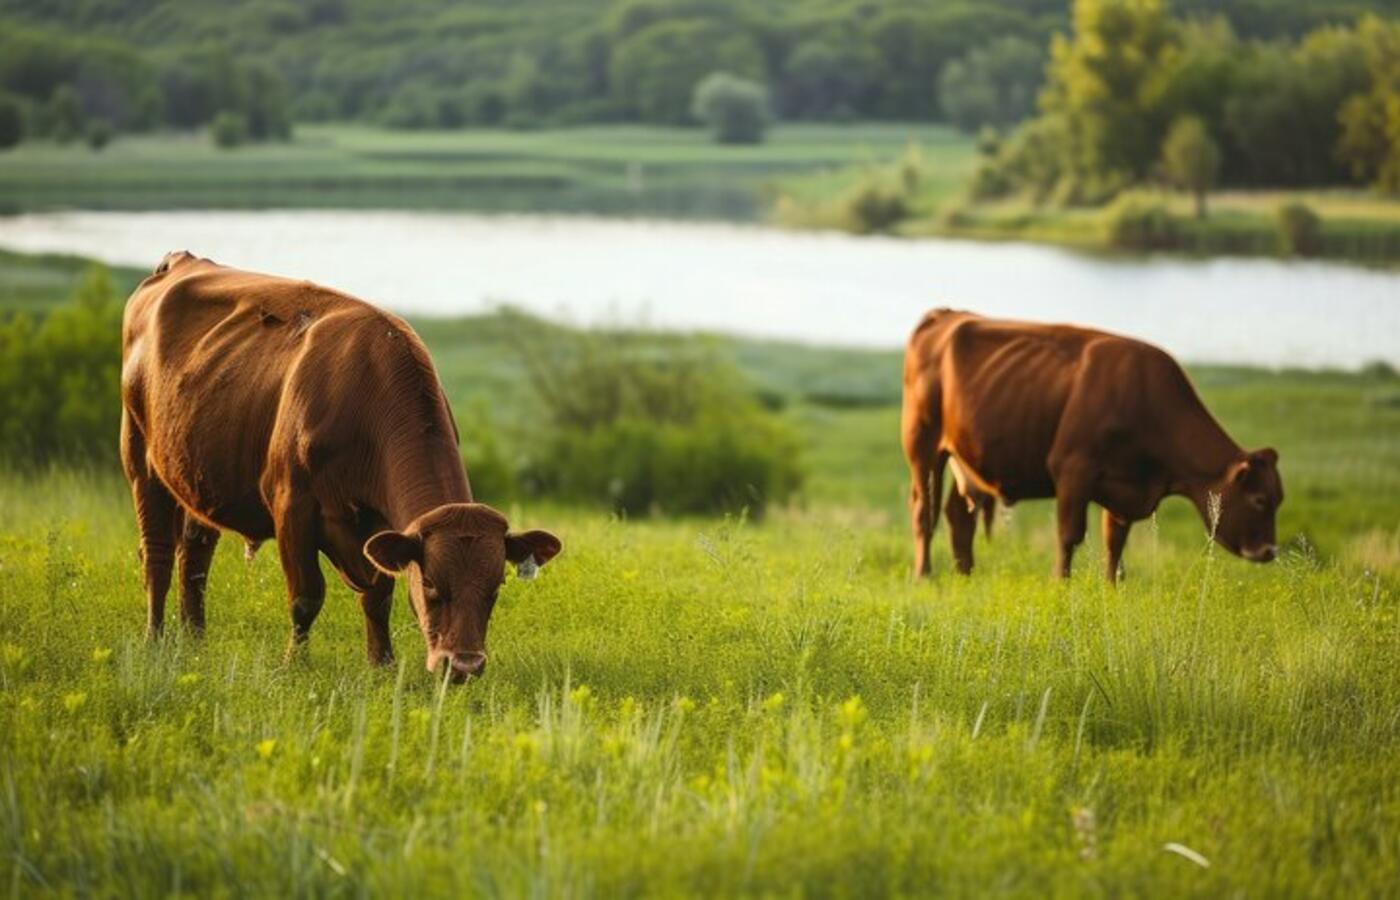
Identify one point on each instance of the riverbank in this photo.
(914, 197)
(904, 179)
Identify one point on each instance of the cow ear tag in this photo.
(527, 569)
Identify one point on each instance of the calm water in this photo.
(752, 280)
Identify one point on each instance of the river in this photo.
(758, 281)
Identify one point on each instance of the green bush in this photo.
(99, 134)
(1299, 229)
(873, 204)
(735, 109)
(60, 377)
(647, 427)
(229, 129)
(1139, 221)
(11, 122)
(490, 469)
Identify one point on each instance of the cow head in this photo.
(1250, 494)
(455, 559)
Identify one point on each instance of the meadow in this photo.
(724, 707)
(612, 169)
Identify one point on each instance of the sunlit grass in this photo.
(721, 707)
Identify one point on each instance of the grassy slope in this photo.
(615, 169)
(673, 705)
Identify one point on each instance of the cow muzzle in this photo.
(1262, 553)
(461, 666)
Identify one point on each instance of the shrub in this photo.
(645, 427)
(229, 129)
(60, 377)
(99, 134)
(1139, 221)
(489, 467)
(734, 108)
(1299, 229)
(873, 205)
(11, 122)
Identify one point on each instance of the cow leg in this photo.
(376, 604)
(375, 589)
(989, 513)
(158, 519)
(195, 553)
(1115, 537)
(962, 528)
(1072, 511)
(925, 476)
(298, 546)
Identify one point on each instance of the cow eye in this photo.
(1258, 502)
(430, 591)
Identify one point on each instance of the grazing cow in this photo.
(1024, 410)
(282, 409)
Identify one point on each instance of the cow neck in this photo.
(1204, 454)
(419, 474)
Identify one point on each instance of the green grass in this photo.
(603, 169)
(719, 707)
(1357, 225)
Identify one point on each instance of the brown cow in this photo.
(278, 408)
(1026, 411)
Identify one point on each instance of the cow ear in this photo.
(1239, 471)
(532, 547)
(1268, 456)
(391, 551)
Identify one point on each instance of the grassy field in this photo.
(676, 172)
(719, 707)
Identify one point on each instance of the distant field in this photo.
(677, 172)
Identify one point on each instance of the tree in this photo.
(11, 122)
(1370, 140)
(655, 70)
(1106, 84)
(1191, 159)
(65, 114)
(995, 84)
(825, 79)
(1281, 118)
(735, 109)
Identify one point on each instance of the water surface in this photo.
(758, 281)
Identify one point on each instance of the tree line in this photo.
(1135, 94)
(70, 68)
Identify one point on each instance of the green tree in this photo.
(735, 109)
(524, 90)
(1191, 159)
(1281, 116)
(65, 114)
(655, 70)
(11, 122)
(1106, 84)
(994, 85)
(1370, 140)
(825, 79)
